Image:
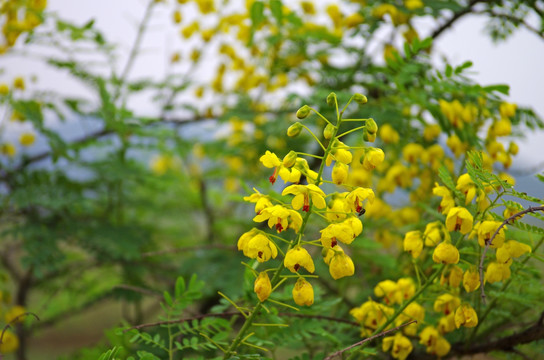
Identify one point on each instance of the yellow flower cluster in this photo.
(341, 211)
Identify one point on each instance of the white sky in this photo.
(516, 62)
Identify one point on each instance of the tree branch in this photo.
(456, 16)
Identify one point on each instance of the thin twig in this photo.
(340, 352)
(454, 18)
(510, 220)
(8, 325)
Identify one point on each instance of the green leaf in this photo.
(276, 9)
(257, 13)
(180, 286)
(503, 89)
(168, 298)
(449, 70)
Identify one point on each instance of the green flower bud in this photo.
(331, 99)
(368, 136)
(290, 159)
(360, 99)
(371, 127)
(328, 131)
(303, 112)
(294, 129)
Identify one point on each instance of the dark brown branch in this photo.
(456, 16)
(515, 21)
(533, 333)
(14, 320)
(510, 220)
(383, 333)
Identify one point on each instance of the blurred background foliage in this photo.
(115, 216)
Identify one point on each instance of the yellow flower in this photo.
(431, 132)
(497, 272)
(15, 314)
(434, 233)
(261, 248)
(280, 218)
(341, 265)
(177, 16)
(446, 324)
(446, 303)
(454, 277)
(262, 286)
(511, 249)
(27, 139)
(466, 316)
(373, 157)
(307, 7)
(339, 173)
(485, 232)
(400, 346)
(447, 202)
(303, 193)
(8, 149)
(345, 232)
(456, 146)
(10, 343)
(388, 290)
(354, 20)
(503, 127)
(471, 280)
(303, 293)
(337, 209)
(160, 164)
(407, 289)
(435, 343)
(388, 134)
(371, 314)
(297, 257)
(446, 253)
(244, 240)
(413, 311)
(413, 4)
(19, 83)
(356, 198)
(261, 201)
(507, 110)
(413, 243)
(459, 219)
(4, 89)
(412, 152)
(467, 187)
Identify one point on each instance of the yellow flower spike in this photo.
(262, 286)
(303, 293)
(297, 257)
(507, 110)
(399, 344)
(434, 233)
(10, 343)
(486, 230)
(261, 248)
(413, 311)
(459, 219)
(374, 157)
(446, 303)
(466, 316)
(341, 265)
(446, 253)
(446, 324)
(496, 272)
(388, 290)
(447, 202)
(339, 173)
(467, 187)
(435, 343)
(356, 198)
(388, 134)
(303, 194)
(413, 243)
(471, 280)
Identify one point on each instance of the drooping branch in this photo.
(510, 220)
(456, 16)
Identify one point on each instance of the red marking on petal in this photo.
(296, 267)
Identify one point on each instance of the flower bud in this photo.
(294, 129)
(360, 99)
(328, 131)
(331, 99)
(303, 112)
(303, 293)
(262, 286)
(290, 159)
(368, 137)
(370, 126)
